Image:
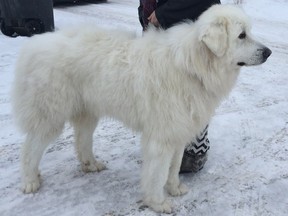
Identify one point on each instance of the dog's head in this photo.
(225, 31)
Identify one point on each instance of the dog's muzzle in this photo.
(262, 55)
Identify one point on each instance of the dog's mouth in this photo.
(241, 63)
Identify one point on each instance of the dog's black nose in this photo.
(266, 53)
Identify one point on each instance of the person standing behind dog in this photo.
(164, 14)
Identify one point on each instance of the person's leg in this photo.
(195, 154)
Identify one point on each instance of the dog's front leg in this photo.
(157, 160)
(174, 186)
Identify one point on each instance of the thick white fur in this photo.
(165, 84)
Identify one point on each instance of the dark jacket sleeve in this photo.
(144, 11)
(174, 11)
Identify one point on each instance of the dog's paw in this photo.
(93, 166)
(31, 186)
(164, 207)
(179, 190)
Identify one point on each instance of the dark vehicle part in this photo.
(26, 17)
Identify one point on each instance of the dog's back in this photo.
(52, 69)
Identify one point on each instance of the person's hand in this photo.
(153, 19)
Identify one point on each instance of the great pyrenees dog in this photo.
(166, 85)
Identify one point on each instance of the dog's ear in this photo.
(214, 35)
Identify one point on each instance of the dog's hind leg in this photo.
(157, 160)
(84, 126)
(173, 186)
(31, 154)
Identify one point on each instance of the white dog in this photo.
(165, 84)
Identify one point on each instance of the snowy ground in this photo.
(247, 170)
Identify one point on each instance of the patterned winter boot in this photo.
(195, 154)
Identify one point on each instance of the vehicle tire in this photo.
(33, 27)
(8, 31)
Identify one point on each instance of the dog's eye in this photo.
(242, 35)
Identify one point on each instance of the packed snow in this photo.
(247, 169)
